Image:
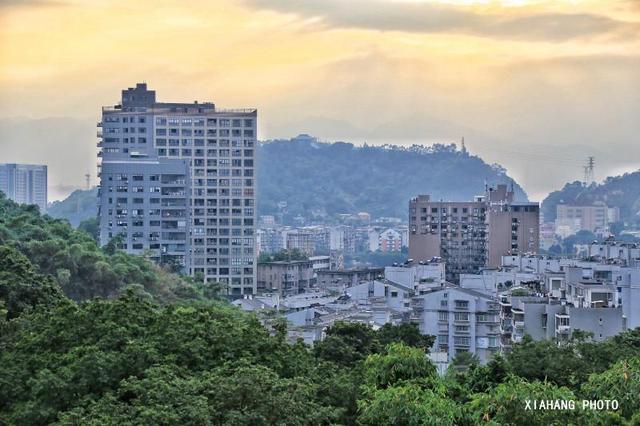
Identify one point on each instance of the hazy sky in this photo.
(536, 86)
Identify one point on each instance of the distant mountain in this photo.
(78, 206)
(323, 179)
(319, 179)
(619, 191)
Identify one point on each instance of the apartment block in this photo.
(390, 240)
(286, 278)
(462, 321)
(333, 280)
(470, 236)
(573, 218)
(25, 183)
(178, 179)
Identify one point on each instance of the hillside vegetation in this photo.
(618, 191)
(324, 179)
(73, 260)
(80, 205)
(128, 360)
(319, 179)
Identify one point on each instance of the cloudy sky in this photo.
(535, 85)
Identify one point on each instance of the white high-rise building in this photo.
(25, 183)
(179, 179)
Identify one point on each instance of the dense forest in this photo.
(617, 191)
(316, 178)
(97, 337)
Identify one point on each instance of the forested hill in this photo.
(80, 205)
(154, 349)
(316, 178)
(618, 191)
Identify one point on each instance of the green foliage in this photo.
(91, 226)
(346, 178)
(21, 287)
(347, 343)
(85, 359)
(78, 207)
(398, 365)
(506, 404)
(621, 382)
(407, 333)
(408, 405)
(401, 387)
(570, 364)
(283, 255)
(239, 395)
(75, 261)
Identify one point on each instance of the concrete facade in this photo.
(214, 152)
(286, 278)
(462, 321)
(25, 183)
(469, 236)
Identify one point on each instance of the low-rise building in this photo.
(462, 321)
(339, 280)
(286, 278)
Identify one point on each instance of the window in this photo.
(461, 316)
(443, 316)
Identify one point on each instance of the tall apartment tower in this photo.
(473, 235)
(178, 180)
(25, 183)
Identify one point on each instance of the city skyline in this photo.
(532, 85)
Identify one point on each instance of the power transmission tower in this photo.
(87, 178)
(588, 171)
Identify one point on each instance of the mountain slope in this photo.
(618, 191)
(78, 206)
(320, 178)
(323, 179)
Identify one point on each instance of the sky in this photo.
(534, 85)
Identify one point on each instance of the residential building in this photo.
(462, 321)
(333, 280)
(300, 239)
(469, 236)
(25, 183)
(390, 241)
(321, 263)
(286, 278)
(187, 170)
(590, 218)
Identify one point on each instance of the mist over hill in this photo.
(318, 179)
(78, 206)
(616, 191)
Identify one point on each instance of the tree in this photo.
(399, 364)
(407, 333)
(621, 382)
(401, 387)
(509, 403)
(91, 226)
(283, 255)
(21, 287)
(347, 343)
(408, 405)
